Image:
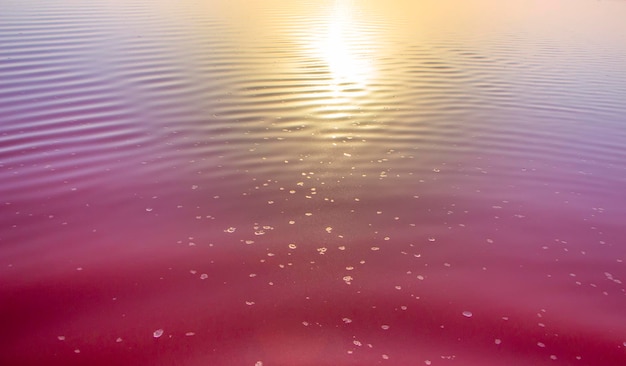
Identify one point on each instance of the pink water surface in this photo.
(320, 183)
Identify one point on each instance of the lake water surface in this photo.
(348, 182)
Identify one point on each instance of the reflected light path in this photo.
(344, 48)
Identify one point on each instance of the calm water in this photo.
(278, 182)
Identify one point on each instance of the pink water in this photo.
(319, 183)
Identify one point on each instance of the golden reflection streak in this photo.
(344, 48)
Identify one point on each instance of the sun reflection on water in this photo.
(345, 48)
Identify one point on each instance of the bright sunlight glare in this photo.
(343, 47)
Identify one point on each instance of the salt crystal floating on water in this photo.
(467, 314)
(157, 333)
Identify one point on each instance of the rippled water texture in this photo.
(313, 182)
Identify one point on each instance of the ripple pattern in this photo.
(361, 158)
